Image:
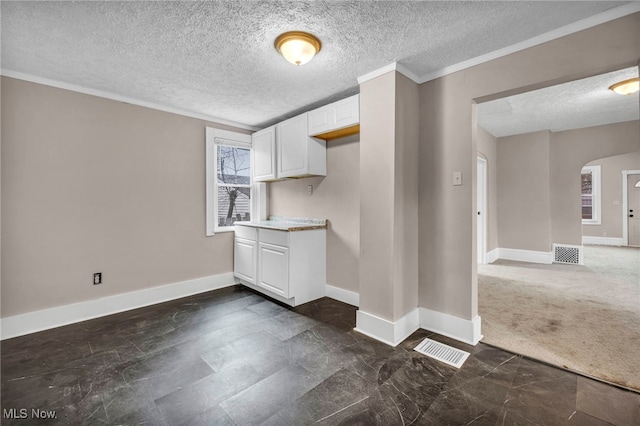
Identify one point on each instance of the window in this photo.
(590, 184)
(229, 187)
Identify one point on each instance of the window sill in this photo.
(591, 222)
(224, 229)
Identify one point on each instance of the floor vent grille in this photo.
(567, 254)
(442, 352)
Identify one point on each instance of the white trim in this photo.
(574, 27)
(210, 187)
(493, 255)
(120, 98)
(603, 241)
(481, 206)
(394, 66)
(407, 73)
(45, 319)
(213, 138)
(596, 194)
(526, 255)
(625, 204)
(385, 331)
(342, 295)
(467, 331)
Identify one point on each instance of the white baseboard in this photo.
(45, 319)
(342, 295)
(467, 331)
(493, 255)
(388, 332)
(603, 241)
(526, 255)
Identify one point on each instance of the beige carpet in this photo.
(584, 318)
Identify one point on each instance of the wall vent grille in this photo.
(563, 253)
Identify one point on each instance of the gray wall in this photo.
(611, 189)
(94, 185)
(336, 197)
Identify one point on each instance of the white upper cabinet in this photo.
(335, 116)
(299, 155)
(264, 154)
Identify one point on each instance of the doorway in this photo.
(481, 206)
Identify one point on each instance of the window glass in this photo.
(234, 190)
(590, 195)
(587, 195)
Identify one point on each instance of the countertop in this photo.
(289, 224)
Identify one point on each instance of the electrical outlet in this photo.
(457, 178)
(97, 278)
(309, 189)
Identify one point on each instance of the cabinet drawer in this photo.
(246, 232)
(279, 238)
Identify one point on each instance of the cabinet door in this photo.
(292, 146)
(274, 268)
(346, 112)
(245, 260)
(264, 154)
(320, 120)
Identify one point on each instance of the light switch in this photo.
(457, 178)
(309, 189)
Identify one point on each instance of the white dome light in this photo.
(298, 47)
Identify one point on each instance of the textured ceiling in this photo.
(581, 103)
(217, 58)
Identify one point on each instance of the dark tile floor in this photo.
(232, 357)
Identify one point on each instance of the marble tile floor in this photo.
(233, 357)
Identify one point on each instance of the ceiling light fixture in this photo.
(298, 47)
(626, 87)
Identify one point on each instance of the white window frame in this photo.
(596, 195)
(215, 137)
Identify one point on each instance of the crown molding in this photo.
(583, 24)
(120, 98)
(394, 66)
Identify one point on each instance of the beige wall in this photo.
(406, 198)
(487, 148)
(447, 213)
(523, 192)
(336, 197)
(94, 185)
(538, 183)
(377, 172)
(388, 197)
(611, 189)
(570, 151)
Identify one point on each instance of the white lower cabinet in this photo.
(244, 260)
(274, 268)
(288, 266)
